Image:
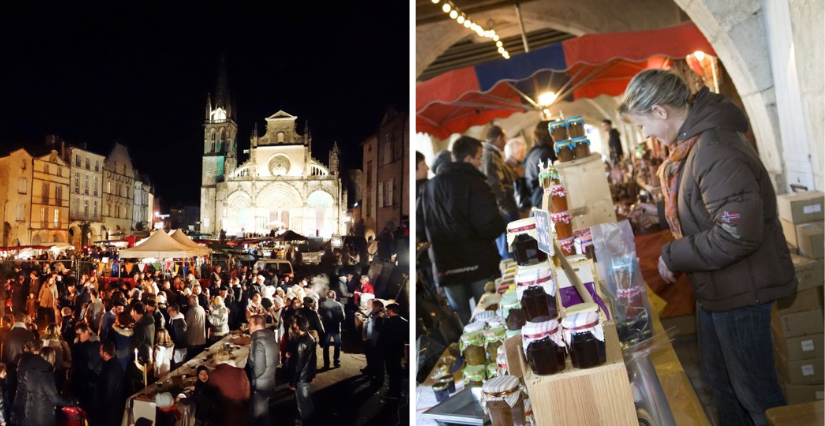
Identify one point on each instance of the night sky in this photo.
(141, 76)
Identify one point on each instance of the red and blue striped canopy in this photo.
(581, 67)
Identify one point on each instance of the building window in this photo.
(94, 212)
(21, 212)
(389, 192)
(369, 201)
(46, 168)
(380, 195)
(74, 210)
(108, 187)
(369, 173)
(97, 165)
(86, 185)
(76, 183)
(387, 151)
(88, 164)
(56, 218)
(58, 195)
(108, 209)
(94, 186)
(45, 193)
(117, 212)
(85, 208)
(22, 185)
(42, 217)
(77, 161)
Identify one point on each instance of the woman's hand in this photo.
(665, 273)
(645, 214)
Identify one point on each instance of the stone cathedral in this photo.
(280, 186)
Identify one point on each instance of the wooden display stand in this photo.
(593, 396)
(588, 194)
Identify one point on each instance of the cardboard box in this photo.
(810, 273)
(798, 348)
(789, 230)
(792, 248)
(811, 240)
(801, 207)
(805, 300)
(797, 394)
(797, 323)
(801, 372)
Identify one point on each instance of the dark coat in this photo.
(177, 331)
(302, 360)
(733, 248)
(313, 318)
(42, 395)
(393, 337)
(110, 394)
(538, 154)
(86, 365)
(231, 390)
(13, 344)
(458, 215)
(122, 337)
(332, 315)
(263, 360)
(143, 334)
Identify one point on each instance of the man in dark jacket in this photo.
(14, 344)
(501, 177)
(260, 367)
(302, 370)
(110, 389)
(86, 365)
(316, 327)
(332, 315)
(541, 153)
(143, 334)
(728, 238)
(614, 143)
(392, 344)
(458, 215)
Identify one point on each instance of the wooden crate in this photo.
(588, 194)
(593, 396)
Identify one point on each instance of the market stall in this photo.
(161, 251)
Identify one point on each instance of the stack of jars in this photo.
(474, 353)
(493, 341)
(570, 140)
(559, 213)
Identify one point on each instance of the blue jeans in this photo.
(336, 337)
(736, 354)
(304, 402)
(458, 296)
(501, 240)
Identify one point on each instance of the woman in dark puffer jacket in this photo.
(42, 395)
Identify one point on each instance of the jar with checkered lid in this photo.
(521, 240)
(503, 401)
(584, 335)
(537, 292)
(511, 311)
(543, 347)
(471, 344)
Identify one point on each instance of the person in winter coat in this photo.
(110, 389)
(302, 369)
(230, 389)
(316, 327)
(48, 300)
(458, 215)
(501, 177)
(195, 327)
(369, 333)
(177, 331)
(121, 336)
(260, 368)
(143, 332)
(42, 393)
(392, 344)
(720, 206)
(218, 319)
(542, 152)
(332, 315)
(86, 365)
(95, 311)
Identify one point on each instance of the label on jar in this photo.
(807, 345)
(808, 370)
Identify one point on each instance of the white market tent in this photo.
(159, 245)
(182, 238)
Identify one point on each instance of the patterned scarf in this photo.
(669, 173)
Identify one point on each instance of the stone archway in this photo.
(35, 239)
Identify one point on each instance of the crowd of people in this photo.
(70, 341)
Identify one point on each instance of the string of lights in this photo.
(461, 18)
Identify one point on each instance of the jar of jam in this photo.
(441, 390)
(472, 344)
(558, 130)
(511, 311)
(475, 375)
(493, 339)
(492, 371)
(581, 147)
(526, 250)
(525, 226)
(543, 347)
(562, 224)
(558, 199)
(502, 399)
(564, 151)
(575, 126)
(584, 335)
(537, 292)
(567, 247)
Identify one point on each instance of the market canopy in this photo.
(290, 235)
(581, 67)
(159, 245)
(182, 238)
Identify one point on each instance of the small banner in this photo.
(544, 235)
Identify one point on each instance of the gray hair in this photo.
(654, 87)
(514, 146)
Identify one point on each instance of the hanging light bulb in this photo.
(495, 37)
(468, 23)
(453, 14)
(461, 19)
(501, 50)
(446, 8)
(699, 55)
(499, 43)
(435, 1)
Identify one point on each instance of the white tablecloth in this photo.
(146, 409)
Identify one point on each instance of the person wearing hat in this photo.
(108, 319)
(316, 327)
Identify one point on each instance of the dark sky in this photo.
(141, 76)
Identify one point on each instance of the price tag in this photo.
(808, 370)
(543, 232)
(807, 345)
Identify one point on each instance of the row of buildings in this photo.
(51, 193)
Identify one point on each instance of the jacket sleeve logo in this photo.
(730, 217)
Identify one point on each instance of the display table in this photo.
(142, 404)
